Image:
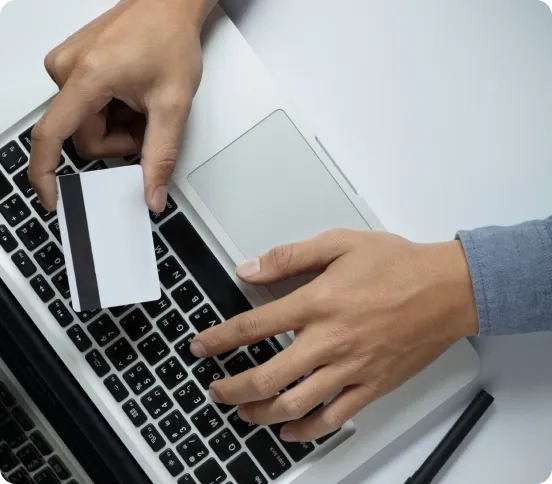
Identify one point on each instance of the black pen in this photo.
(456, 435)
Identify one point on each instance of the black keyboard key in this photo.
(71, 152)
(238, 364)
(139, 378)
(6, 396)
(59, 467)
(207, 420)
(97, 166)
(66, 170)
(98, 363)
(42, 445)
(192, 450)
(21, 476)
(242, 428)
(223, 356)
(225, 444)
(5, 186)
(136, 415)
(32, 234)
(204, 318)
(135, 324)
(265, 350)
(170, 272)
(207, 372)
(13, 435)
(61, 282)
(41, 211)
(121, 354)
(23, 183)
(172, 325)
(25, 139)
(49, 258)
(171, 373)
(169, 209)
(86, 316)
(174, 426)
(7, 240)
(46, 476)
(268, 454)
(42, 288)
(153, 437)
(155, 308)
(296, 450)
(200, 261)
(54, 228)
(325, 438)
(183, 350)
(161, 250)
(210, 472)
(186, 479)
(189, 397)
(79, 338)
(223, 407)
(153, 348)
(3, 415)
(103, 330)
(30, 458)
(187, 296)
(22, 419)
(116, 388)
(12, 157)
(25, 265)
(14, 210)
(245, 471)
(171, 462)
(119, 310)
(8, 461)
(157, 402)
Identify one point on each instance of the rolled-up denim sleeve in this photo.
(511, 270)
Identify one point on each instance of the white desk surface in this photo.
(440, 112)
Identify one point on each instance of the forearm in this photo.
(511, 270)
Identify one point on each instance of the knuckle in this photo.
(166, 161)
(281, 257)
(333, 420)
(91, 62)
(248, 327)
(264, 383)
(57, 62)
(294, 407)
(174, 100)
(40, 132)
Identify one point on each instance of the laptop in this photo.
(114, 395)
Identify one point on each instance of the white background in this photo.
(440, 112)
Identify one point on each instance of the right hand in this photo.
(127, 81)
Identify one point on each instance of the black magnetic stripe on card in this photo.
(79, 241)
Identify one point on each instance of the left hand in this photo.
(380, 312)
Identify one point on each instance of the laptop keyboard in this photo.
(26, 455)
(141, 352)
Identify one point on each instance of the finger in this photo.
(330, 418)
(291, 260)
(160, 151)
(268, 379)
(297, 402)
(277, 317)
(76, 101)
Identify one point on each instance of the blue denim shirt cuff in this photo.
(511, 270)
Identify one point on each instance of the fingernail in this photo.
(249, 268)
(287, 436)
(159, 199)
(242, 413)
(197, 349)
(214, 396)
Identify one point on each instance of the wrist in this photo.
(195, 11)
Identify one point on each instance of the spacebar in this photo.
(204, 266)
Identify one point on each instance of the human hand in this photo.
(382, 310)
(127, 82)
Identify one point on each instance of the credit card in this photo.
(107, 238)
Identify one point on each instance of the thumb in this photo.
(291, 260)
(160, 152)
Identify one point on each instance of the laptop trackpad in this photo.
(270, 187)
